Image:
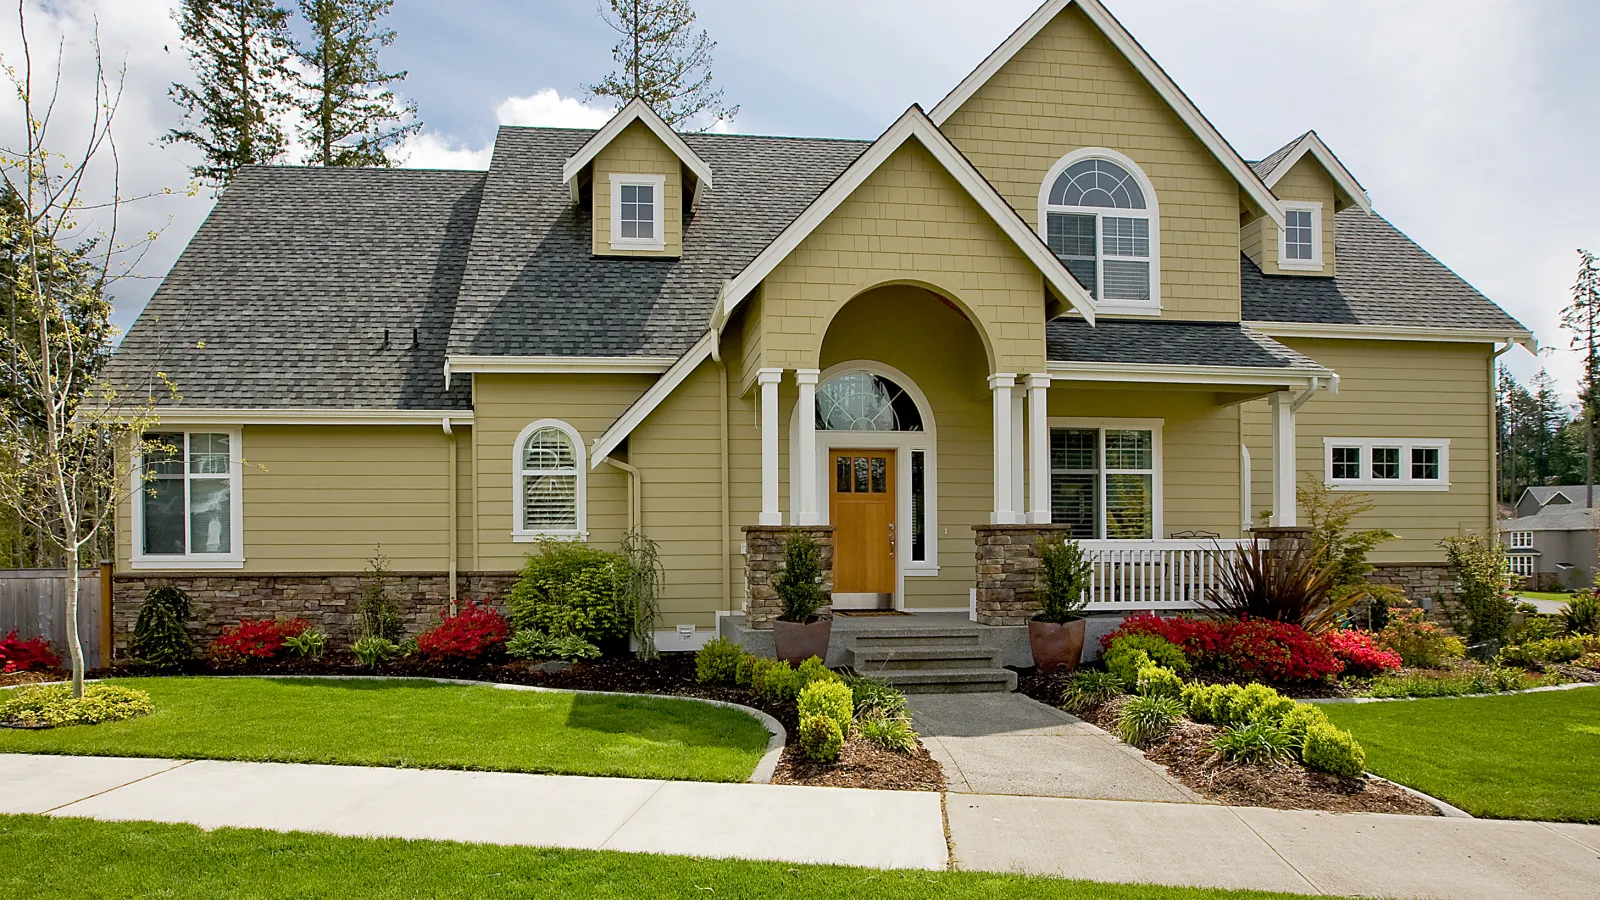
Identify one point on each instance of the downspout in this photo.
(635, 493)
(454, 534)
(1316, 385)
(1494, 440)
(722, 440)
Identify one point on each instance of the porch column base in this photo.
(763, 560)
(1009, 570)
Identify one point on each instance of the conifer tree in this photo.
(233, 109)
(1582, 318)
(352, 116)
(662, 61)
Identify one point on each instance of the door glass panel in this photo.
(861, 474)
(880, 477)
(841, 475)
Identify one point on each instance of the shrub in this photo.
(874, 696)
(1125, 663)
(1298, 720)
(812, 669)
(1257, 703)
(474, 632)
(1209, 702)
(746, 669)
(891, 732)
(17, 655)
(1534, 627)
(1144, 719)
(1294, 587)
(1063, 580)
(1360, 653)
(1419, 642)
(377, 614)
(372, 650)
(1483, 605)
(531, 643)
(1329, 515)
(1477, 680)
(567, 587)
(821, 738)
(52, 705)
(640, 580)
(1199, 639)
(1089, 688)
(1161, 651)
(775, 681)
(159, 636)
(1254, 744)
(1548, 650)
(254, 640)
(715, 663)
(1276, 652)
(828, 698)
(308, 644)
(1582, 615)
(799, 585)
(1333, 750)
(1154, 681)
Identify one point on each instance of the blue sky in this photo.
(1470, 122)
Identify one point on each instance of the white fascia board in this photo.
(913, 123)
(650, 399)
(1395, 333)
(1145, 65)
(1248, 376)
(561, 365)
(1312, 144)
(635, 110)
(195, 415)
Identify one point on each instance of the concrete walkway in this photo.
(1012, 744)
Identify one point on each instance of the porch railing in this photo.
(1170, 574)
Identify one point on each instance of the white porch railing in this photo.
(1172, 574)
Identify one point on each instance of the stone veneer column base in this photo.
(763, 560)
(1008, 570)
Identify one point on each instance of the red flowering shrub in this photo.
(253, 640)
(1360, 653)
(1200, 639)
(17, 655)
(472, 633)
(1259, 649)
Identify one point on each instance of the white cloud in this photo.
(550, 109)
(432, 150)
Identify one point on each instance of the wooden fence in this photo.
(33, 602)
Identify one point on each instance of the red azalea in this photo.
(255, 639)
(1253, 648)
(473, 632)
(1360, 652)
(17, 655)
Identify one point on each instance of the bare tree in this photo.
(66, 447)
(663, 61)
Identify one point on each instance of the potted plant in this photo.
(1055, 635)
(800, 632)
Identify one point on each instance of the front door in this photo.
(861, 508)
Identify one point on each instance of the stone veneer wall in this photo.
(1008, 570)
(763, 560)
(326, 601)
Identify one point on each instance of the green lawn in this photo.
(1520, 756)
(1545, 595)
(48, 857)
(419, 724)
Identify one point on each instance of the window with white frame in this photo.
(1300, 240)
(1098, 215)
(188, 511)
(1387, 464)
(1521, 540)
(1104, 481)
(1522, 564)
(550, 482)
(637, 212)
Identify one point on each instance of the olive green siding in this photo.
(1068, 89)
(637, 151)
(1306, 180)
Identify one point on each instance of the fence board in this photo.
(33, 602)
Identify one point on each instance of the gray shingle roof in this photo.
(1383, 278)
(1137, 342)
(1556, 518)
(282, 297)
(1265, 166)
(1575, 493)
(532, 287)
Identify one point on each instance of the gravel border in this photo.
(1537, 690)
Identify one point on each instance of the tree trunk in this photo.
(74, 642)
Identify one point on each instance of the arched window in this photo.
(1098, 214)
(549, 489)
(864, 401)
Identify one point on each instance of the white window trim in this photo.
(1158, 501)
(1520, 540)
(523, 535)
(1527, 561)
(138, 559)
(1405, 483)
(1313, 264)
(659, 183)
(1151, 307)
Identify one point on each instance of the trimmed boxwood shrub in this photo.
(1154, 681)
(1333, 750)
(821, 738)
(828, 698)
(571, 588)
(717, 662)
(1161, 651)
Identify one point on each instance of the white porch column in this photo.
(1001, 384)
(1038, 449)
(1019, 462)
(805, 511)
(1283, 459)
(768, 379)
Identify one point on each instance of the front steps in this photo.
(922, 660)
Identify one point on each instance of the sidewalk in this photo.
(1103, 840)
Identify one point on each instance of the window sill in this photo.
(1300, 266)
(530, 537)
(1386, 486)
(638, 245)
(180, 563)
(1117, 308)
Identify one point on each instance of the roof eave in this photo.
(634, 110)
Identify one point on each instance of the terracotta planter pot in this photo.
(797, 643)
(1056, 647)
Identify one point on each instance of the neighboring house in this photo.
(1555, 548)
(1059, 296)
(1561, 496)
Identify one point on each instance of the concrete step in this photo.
(908, 638)
(900, 659)
(952, 681)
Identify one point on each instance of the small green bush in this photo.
(1258, 703)
(1582, 615)
(1210, 702)
(53, 706)
(1064, 573)
(872, 695)
(308, 644)
(1333, 750)
(531, 643)
(372, 650)
(718, 662)
(1549, 650)
(159, 636)
(567, 587)
(746, 670)
(889, 732)
(799, 585)
(377, 613)
(814, 670)
(1126, 663)
(1298, 720)
(1420, 643)
(775, 681)
(1089, 688)
(1254, 744)
(820, 738)
(1154, 681)
(1161, 651)
(1144, 719)
(828, 698)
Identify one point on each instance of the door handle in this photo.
(891, 540)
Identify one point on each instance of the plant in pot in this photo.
(799, 632)
(1055, 635)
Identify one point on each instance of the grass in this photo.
(1520, 756)
(49, 857)
(419, 724)
(1545, 595)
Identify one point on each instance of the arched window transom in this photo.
(549, 481)
(1100, 221)
(864, 401)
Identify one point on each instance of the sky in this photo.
(1470, 122)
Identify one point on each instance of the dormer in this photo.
(1312, 186)
(640, 181)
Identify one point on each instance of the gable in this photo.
(636, 154)
(1303, 182)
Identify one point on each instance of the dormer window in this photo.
(1098, 215)
(1300, 241)
(636, 201)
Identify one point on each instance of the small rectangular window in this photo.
(1299, 235)
(1347, 463)
(1389, 464)
(1424, 463)
(1521, 540)
(919, 506)
(1522, 564)
(638, 211)
(1386, 463)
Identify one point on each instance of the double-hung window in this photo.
(550, 483)
(637, 211)
(1100, 221)
(1522, 564)
(187, 513)
(1404, 464)
(1521, 540)
(1300, 241)
(1105, 480)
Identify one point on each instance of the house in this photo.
(1056, 303)
(1555, 548)
(1560, 496)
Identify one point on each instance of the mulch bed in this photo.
(863, 765)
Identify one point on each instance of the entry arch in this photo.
(913, 280)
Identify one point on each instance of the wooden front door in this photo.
(861, 507)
